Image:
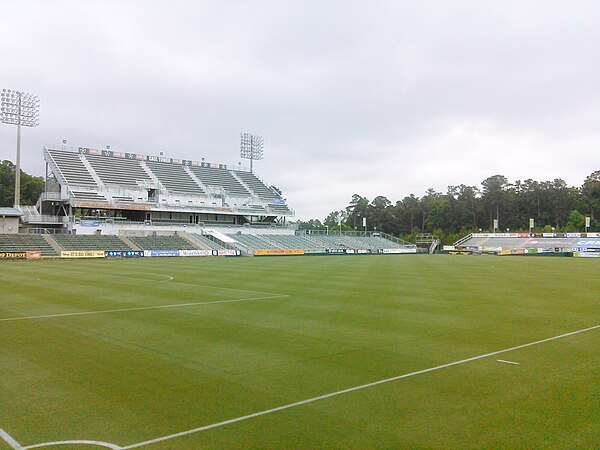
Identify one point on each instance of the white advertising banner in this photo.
(390, 251)
(195, 253)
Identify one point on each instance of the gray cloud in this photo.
(372, 98)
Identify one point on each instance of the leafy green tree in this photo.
(381, 215)
(591, 193)
(494, 196)
(312, 224)
(407, 213)
(467, 204)
(441, 214)
(7, 183)
(31, 186)
(356, 211)
(576, 221)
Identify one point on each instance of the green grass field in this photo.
(127, 351)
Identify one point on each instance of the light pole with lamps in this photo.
(20, 109)
(251, 147)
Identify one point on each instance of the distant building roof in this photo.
(10, 212)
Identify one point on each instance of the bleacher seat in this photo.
(25, 242)
(72, 168)
(160, 242)
(118, 171)
(71, 242)
(174, 178)
(88, 196)
(260, 188)
(218, 178)
(314, 242)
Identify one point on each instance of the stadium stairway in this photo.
(129, 242)
(192, 240)
(91, 170)
(52, 243)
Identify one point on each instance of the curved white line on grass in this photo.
(167, 277)
(76, 442)
(140, 308)
(182, 283)
(9, 440)
(345, 391)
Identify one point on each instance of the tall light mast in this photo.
(20, 109)
(251, 147)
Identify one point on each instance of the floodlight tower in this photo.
(20, 109)
(251, 147)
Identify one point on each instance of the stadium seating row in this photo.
(162, 243)
(25, 242)
(76, 242)
(174, 178)
(90, 171)
(244, 242)
(313, 242)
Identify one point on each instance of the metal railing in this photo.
(178, 222)
(43, 218)
(44, 231)
(53, 196)
(463, 240)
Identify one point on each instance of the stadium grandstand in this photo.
(582, 244)
(125, 204)
(91, 184)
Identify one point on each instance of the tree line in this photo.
(464, 209)
(31, 186)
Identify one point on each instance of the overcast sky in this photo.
(372, 97)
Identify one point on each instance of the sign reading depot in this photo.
(29, 254)
(13, 255)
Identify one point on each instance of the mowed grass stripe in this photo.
(127, 378)
(79, 293)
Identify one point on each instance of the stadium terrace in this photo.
(130, 187)
(103, 203)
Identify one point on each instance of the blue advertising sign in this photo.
(89, 223)
(124, 254)
(164, 253)
(588, 243)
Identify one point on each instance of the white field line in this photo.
(141, 308)
(170, 278)
(508, 362)
(345, 391)
(76, 442)
(9, 440)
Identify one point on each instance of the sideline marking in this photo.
(141, 308)
(345, 391)
(9, 440)
(76, 442)
(508, 362)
